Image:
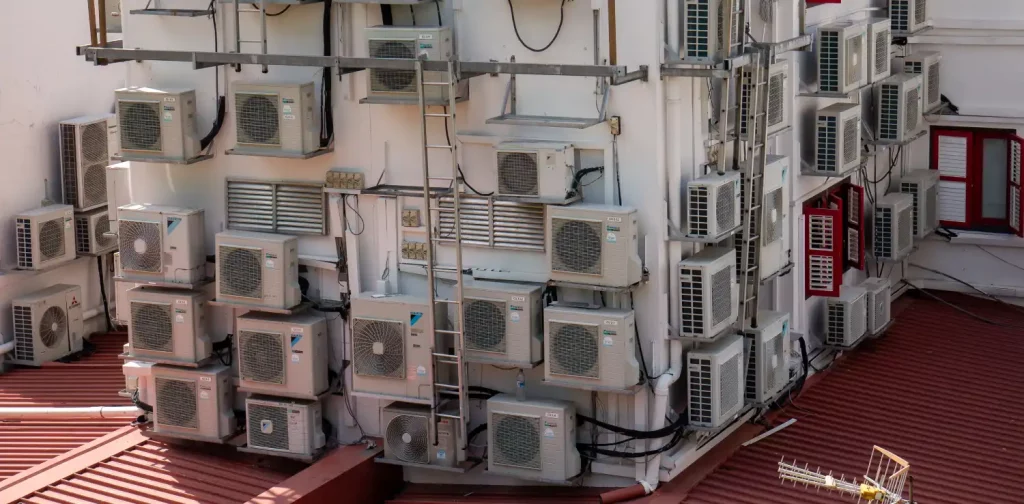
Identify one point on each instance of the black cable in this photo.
(577, 177)
(386, 16)
(486, 390)
(640, 346)
(438, 6)
(515, 27)
(638, 434)
(326, 85)
(103, 294)
(139, 404)
(274, 14)
(616, 454)
(475, 432)
(412, 12)
(221, 101)
(448, 138)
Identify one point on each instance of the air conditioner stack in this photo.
(503, 323)
(48, 325)
(879, 49)
(713, 204)
(590, 349)
(779, 104)
(535, 170)
(776, 201)
(714, 382)
(703, 27)
(283, 355)
(847, 317)
(168, 326)
(908, 16)
(276, 119)
(898, 107)
(923, 186)
(287, 427)
(837, 139)
(893, 227)
(533, 439)
(259, 270)
(926, 64)
(842, 57)
(594, 245)
(408, 42)
(157, 125)
(84, 156)
(879, 303)
(162, 244)
(45, 237)
(409, 436)
(92, 232)
(767, 357)
(708, 293)
(196, 404)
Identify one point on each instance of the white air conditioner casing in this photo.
(908, 16)
(287, 426)
(161, 244)
(893, 229)
(91, 232)
(923, 186)
(776, 202)
(45, 237)
(157, 125)
(48, 325)
(842, 57)
(119, 190)
(594, 245)
(282, 355)
(767, 357)
(392, 346)
(168, 325)
(503, 323)
(703, 27)
(192, 403)
(258, 269)
(276, 118)
(879, 49)
(837, 139)
(122, 309)
(927, 64)
(587, 348)
(408, 42)
(879, 303)
(409, 436)
(542, 170)
(713, 204)
(532, 439)
(708, 293)
(715, 382)
(898, 108)
(779, 103)
(847, 317)
(84, 156)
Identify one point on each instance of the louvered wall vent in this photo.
(495, 224)
(276, 207)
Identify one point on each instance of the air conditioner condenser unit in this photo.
(779, 104)
(847, 317)
(708, 293)
(84, 156)
(879, 303)
(703, 30)
(898, 107)
(285, 426)
(594, 245)
(927, 64)
(775, 254)
(168, 325)
(408, 42)
(713, 204)
(45, 237)
(535, 170)
(91, 232)
(590, 349)
(532, 439)
(893, 227)
(908, 16)
(283, 355)
(194, 404)
(48, 325)
(157, 125)
(162, 244)
(258, 269)
(767, 357)
(837, 139)
(503, 323)
(409, 436)
(842, 57)
(276, 118)
(715, 382)
(923, 186)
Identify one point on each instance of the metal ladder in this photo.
(444, 338)
(263, 29)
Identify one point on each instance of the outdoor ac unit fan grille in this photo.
(776, 100)
(913, 108)
(577, 246)
(24, 238)
(82, 234)
(402, 81)
(139, 122)
(725, 207)
(883, 234)
(773, 226)
(858, 316)
(827, 155)
(828, 62)
(51, 239)
(94, 162)
(517, 173)
(882, 52)
(899, 13)
(257, 118)
(53, 327)
(407, 438)
(24, 343)
(691, 298)
(140, 245)
(241, 272)
(379, 348)
(728, 380)
(853, 59)
(701, 404)
(911, 189)
(516, 441)
(268, 426)
(905, 237)
(850, 145)
(485, 326)
(152, 327)
(697, 29)
(889, 122)
(698, 210)
(920, 11)
(69, 163)
(721, 295)
(176, 403)
(750, 390)
(933, 83)
(262, 357)
(574, 350)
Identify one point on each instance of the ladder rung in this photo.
(448, 301)
(448, 415)
(447, 179)
(439, 146)
(444, 269)
(434, 83)
(435, 114)
(446, 356)
(447, 331)
(447, 386)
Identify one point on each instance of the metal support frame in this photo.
(507, 114)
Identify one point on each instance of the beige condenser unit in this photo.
(91, 232)
(162, 244)
(157, 125)
(766, 348)
(503, 323)
(194, 403)
(533, 439)
(283, 355)
(168, 325)
(276, 118)
(45, 237)
(594, 245)
(409, 436)
(285, 426)
(535, 170)
(84, 156)
(48, 325)
(258, 269)
(432, 43)
(590, 348)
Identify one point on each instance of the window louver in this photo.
(494, 224)
(823, 237)
(853, 207)
(297, 208)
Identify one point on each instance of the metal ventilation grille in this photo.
(53, 327)
(240, 271)
(276, 207)
(485, 325)
(691, 301)
(176, 403)
(854, 48)
(920, 11)
(883, 233)
(698, 29)
(257, 118)
(774, 208)
(836, 323)
(858, 317)
(516, 441)
(84, 245)
(51, 239)
(721, 295)
(152, 327)
(23, 235)
(494, 224)
(576, 246)
(728, 380)
(24, 342)
(828, 61)
(517, 173)
(899, 13)
(851, 148)
(905, 237)
(95, 181)
(574, 350)
(725, 207)
(407, 438)
(139, 123)
(882, 52)
(913, 108)
(400, 81)
(827, 154)
(745, 87)
(776, 99)
(140, 245)
(379, 348)
(698, 207)
(911, 188)
(268, 426)
(912, 67)
(889, 118)
(750, 389)
(262, 357)
(933, 83)
(101, 226)
(69, 163)
(700, 386)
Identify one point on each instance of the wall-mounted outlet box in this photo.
(344, 179)
(411, 218)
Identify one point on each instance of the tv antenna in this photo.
(883, 482)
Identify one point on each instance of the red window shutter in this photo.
(1016, 209)
(951, 155)
(823, 270)
(854, 212)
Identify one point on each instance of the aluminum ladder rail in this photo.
(732, 85)
(262, 6)
(444, 338)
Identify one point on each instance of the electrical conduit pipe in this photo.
(67, 413)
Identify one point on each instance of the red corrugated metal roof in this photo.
(93, 380)
(451, 494)
(941, 389)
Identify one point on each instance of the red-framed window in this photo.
(834, 238)
(979, 179)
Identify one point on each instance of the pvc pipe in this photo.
(63, 413)
(6, 347)
(661, 392)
